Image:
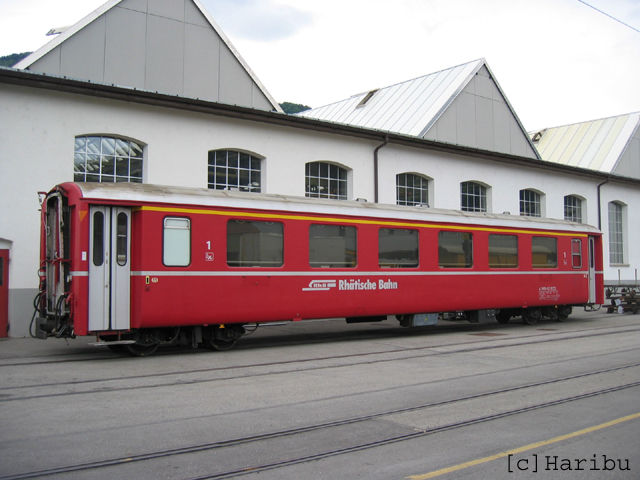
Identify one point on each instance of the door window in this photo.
(98, 238)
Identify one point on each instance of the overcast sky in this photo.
(558, 61)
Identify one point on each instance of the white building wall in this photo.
(506, 181)
(38, 128)
(630, 269)
(37, 133)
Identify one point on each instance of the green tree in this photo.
(292, 108)
(11, 60)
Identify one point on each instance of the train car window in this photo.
(255, 244)
(503, 251)
(397, 248)
(455, 249)
(332, 246)
(544, 252)
(121, 242)
(98, 238)
(176, 241)
(576, 253)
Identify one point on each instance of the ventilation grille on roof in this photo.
(367, 97)
(57, 31)
(538, 135)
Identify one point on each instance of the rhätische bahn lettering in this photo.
(357, 284)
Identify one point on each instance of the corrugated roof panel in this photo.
(596, 144)
(446, 91)
(434, 98)
(349, 111)
(407, 99)
(596, 134)
(564, 140)
(413, 107)
(594, 156)
(403, 99)
(553, 140)
(614, 126)
(578, 146)
(391, 108)
(626, 138)
(402, 108)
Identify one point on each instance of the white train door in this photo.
(109, 268)
(592, 270)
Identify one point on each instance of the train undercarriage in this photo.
(145, 342)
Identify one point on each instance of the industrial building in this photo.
(154, 92)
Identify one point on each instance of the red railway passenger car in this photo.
(139, 265)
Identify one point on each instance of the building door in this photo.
(4, 293)
(109, 268)
(592, 270)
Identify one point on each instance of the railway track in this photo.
(358, 446)
(89, 354)
(248, 370)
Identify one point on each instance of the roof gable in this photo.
(169, 46)
(610, 145)
(462, 105)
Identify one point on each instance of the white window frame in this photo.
(328, 180)
(473, 197)
(415, 186)
(234, 170)
(532, 203)
(617, 243)
(573, 208)
(107, 159)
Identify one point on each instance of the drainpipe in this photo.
(599, 206)
(375, 168)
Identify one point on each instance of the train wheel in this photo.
(564, 312)
(530, 316)
(138, 350)
(503, 316)
(223, 338)
(220, 345)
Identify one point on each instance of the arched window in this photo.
(325, 180)
(616, 233)
(573, 208)
(412, 189)
(473, 197)
(107, 159)
(230, 169)
(530, 203)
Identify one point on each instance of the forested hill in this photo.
(11, 60)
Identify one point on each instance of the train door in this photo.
(4, 292)
(592, 270)
(109, 268)
(57, 255)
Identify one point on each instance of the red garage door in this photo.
(4, 292)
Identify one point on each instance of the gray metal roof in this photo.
(595, 145)
(68, 32)
(407, 108)
(462, 105)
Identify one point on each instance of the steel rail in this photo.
(183, 382)
(313, 338)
